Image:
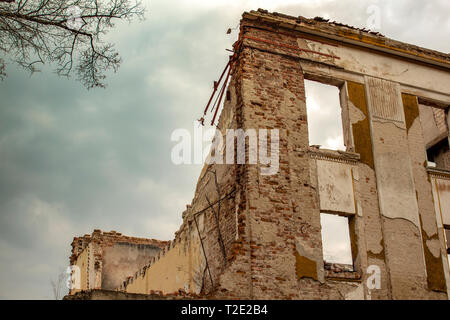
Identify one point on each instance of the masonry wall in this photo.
(280, 252)
(122, 260)
(97, 294)
(106, 259)
(252, 236)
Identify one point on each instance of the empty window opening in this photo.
(438, 155)
(435, 133)
(323, 109)
(336, 243)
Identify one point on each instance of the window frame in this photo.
(355, 274)
(341, 85)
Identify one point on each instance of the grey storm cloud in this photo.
(72, 160)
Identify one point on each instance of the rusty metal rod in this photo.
(216, 85)
(221, 95)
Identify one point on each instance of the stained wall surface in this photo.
(122, 259)
(248, 235)
(104, 260)
(385, 190)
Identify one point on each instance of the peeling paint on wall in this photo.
(361, 129)
(432, 251)
(306, 265)
(272, 228)
(305, 268)
(396, 187)
(411, 108)
(335, 186)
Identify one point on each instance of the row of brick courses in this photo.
(109, 239)
(264, 219)
(287, 202)
(334, 29)
(97, 294)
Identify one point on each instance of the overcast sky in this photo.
(73, 160)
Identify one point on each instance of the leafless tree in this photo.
(65, 32)
(58, 285)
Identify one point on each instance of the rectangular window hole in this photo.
(337, 248)
(435, 133)
(323, 109)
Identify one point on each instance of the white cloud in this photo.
(40, 117)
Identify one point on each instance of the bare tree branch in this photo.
(64, 32)
(58, 284)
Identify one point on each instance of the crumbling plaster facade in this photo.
(104, 259)
(252, 236)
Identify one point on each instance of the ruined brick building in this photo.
(252, 236)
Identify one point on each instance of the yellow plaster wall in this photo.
(82, 264)
(176, 269)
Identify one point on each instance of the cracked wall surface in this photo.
(265, 240)
(105, 259)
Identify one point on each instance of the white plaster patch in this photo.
(356, 114)
(382, 66)
(335, 186)
(329, 56)
(201, 222)
(355, 174)
(434, 248)
(396, 187)
(356, 294)
(385, 99)
(359, 210)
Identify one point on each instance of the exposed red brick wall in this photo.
(266, 222)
